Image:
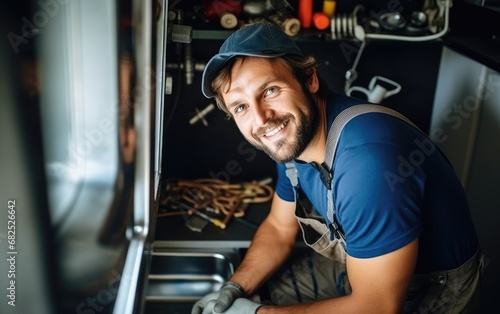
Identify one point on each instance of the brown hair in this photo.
(301, 67)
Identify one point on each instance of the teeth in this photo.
(276, 130)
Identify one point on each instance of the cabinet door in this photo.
(457, 107)
(466, 126)
(483, 184)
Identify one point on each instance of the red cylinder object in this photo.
(215, 9)
(320, 20)
(305, 13)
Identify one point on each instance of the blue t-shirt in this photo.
(391, 185)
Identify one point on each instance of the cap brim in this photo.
(215, 64)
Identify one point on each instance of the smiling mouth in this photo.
(276, 130)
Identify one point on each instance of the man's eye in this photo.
(269, 91)
(239, 108)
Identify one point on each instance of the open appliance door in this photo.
(82, 112)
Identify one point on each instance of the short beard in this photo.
(307, 125)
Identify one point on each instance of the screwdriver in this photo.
(214, 221)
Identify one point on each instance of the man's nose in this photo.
(262, 113)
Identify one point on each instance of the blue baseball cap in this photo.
(262, 39)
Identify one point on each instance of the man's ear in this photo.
(313, 82)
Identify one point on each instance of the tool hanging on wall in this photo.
(200, 115)
(350, 27)
(351, 75)
(217, 200)
(343, 26)
(377, 92)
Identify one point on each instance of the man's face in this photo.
(270, 107)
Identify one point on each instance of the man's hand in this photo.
(223, 298)
(242, 306)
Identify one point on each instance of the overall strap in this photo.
(291, 173)
(331, 146)
(344, 117)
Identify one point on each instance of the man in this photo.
(410, 244)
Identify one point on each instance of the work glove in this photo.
(242, 306)
(220, 300)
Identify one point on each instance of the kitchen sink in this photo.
(185, 277)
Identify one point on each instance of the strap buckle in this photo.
(336, 232)
(326, 175)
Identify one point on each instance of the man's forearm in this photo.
(268, 251)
